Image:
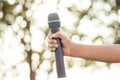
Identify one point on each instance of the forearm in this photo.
(103, 53)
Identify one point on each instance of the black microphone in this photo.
(54, 25)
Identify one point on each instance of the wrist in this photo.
(76, 50)
(72, 49)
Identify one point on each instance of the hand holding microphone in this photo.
(54, 24)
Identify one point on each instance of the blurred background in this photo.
(24, 54)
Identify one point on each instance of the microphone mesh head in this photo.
(53, 20)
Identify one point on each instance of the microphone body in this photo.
(54, 24)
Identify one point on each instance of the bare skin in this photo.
(104, 53)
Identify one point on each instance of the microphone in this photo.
(54, 25)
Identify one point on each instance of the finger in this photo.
(52, 41)
(49, 36)
(52, 49)
(53, 46)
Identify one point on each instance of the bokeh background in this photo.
(24, 54)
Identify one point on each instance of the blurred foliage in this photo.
(18, 23)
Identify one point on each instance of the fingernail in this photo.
(55, 41)
(56, 45)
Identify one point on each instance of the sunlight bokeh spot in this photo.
(37, 39)
(76, 38)
(11, 1)
(83, 4)
(47, 54)
(1, 14)
(45, 66)
(19, 19)
(29, 13)
(18, 9)
(23, 24)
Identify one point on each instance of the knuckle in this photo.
(49, 45)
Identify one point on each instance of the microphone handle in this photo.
(59, 60)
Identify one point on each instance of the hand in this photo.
(66, 43)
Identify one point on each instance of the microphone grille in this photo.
(53, 20)
(53, 17)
